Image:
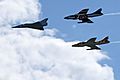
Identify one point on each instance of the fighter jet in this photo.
(92, 43)
(37, 25)
(82, 15)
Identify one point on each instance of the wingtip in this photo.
(94, 38)
(100, 9)
(46, 18)
(107, 37)
(85, 9)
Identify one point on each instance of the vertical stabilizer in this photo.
(44, 22)
(98, 11)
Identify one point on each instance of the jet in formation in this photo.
(92, 43)
(37, 25)
(82, 15)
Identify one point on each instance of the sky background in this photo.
(106, 25)
(30, 54)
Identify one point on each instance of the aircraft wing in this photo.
(94, 47)
(84, 11)
(41, 22)
(86, 20)
(92, 40)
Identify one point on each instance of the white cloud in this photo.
(27, 54)
(25, 57)
(13, 11)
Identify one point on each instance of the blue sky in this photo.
(103, 26)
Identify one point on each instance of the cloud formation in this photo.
(18, 11)
(27, 54)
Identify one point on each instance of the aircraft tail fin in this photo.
(105, 40)
(44, 22)
(98, 11)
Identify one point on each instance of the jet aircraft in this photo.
(37, 25)
(82, 15)
(92, 43)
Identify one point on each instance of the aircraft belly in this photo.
(91, 44)
(80, 17)
(93, 15)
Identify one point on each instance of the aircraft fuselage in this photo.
(82, 16)
(37, 25)
(92, 43)
(89, 44)
(33, 26)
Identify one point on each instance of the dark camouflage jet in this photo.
(92, 43)
(37, 25)
(82, 15)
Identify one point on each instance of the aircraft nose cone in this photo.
(65, 17)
